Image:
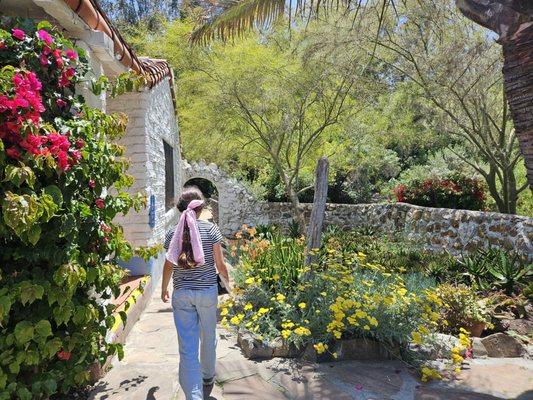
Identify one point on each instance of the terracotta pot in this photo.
(476, 328)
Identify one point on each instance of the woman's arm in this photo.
(167, 274)
(219, 260)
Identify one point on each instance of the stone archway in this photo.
(236, 205)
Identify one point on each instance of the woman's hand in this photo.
(165, 296)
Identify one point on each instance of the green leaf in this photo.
(23, 393)
(50, 386)
(48, 206)
(20, 212)
(24, 332)
(54, 192)
(44, 25)
(43, 329)
(3, 379)
(92, 274)
(120, 352)
(52, 347)
(19, 175)
(30, 292)
(14, 367)
(34, 234)
(5, 306)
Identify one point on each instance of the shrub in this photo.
(457, 191)
(62, 182)
(461, 308)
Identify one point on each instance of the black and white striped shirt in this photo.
(202, 276)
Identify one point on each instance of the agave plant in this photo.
(508, 271)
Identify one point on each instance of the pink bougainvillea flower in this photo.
(62, 160)
(105, 228)
(35, 83)
(64, 355)
(13, 153)
(2, 45)
(44, 36)
(46, 50)
(76, 156)
(61, 103)
(18, 34)
(100, 203)
(63, 81)
(71, 54)
(43, 60)
(70, 72)
(92, 183)
(79, 143)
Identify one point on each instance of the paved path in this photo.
(150, 369)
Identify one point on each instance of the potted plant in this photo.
(462, 309)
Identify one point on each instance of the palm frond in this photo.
(238, 17)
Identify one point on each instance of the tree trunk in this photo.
(295, 201)
(518, 83)
(314, 230)
(513, 21)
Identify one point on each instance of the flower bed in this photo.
(57, 160)
(341, 297)
(456, 191)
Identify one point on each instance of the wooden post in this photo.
(314, 231)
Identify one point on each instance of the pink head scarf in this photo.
(187, 217)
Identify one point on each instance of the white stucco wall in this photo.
(151, 119)
(97, 70)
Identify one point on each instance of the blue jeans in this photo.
(195, 316)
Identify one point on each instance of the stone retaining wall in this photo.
(436, 229)
(433, 228)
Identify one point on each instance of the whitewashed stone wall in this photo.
(436, 229)
(151, 119)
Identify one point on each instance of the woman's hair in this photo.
(190, 193)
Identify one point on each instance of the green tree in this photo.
(464, 84)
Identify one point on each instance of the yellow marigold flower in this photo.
(457, 359)
(224, 312)
(401, 291)
(320, 347)
(323, 293)
(317, 311)
(353, 321)
(248, 306)
(373, 321)
(302, 305)
(250, 280)
(276, 277)
(285, 333)
(280, 297)
(335, 355)
(337, 334)
(235, 320)
(287, 325)
(417, 337)
(301, 331)
(366, 328)
(457, 370)
(360, 314)
(262, 311)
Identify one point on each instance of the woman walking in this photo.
(193, 249)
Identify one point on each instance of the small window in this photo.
(169, 175)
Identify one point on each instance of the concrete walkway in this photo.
(149, 371)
